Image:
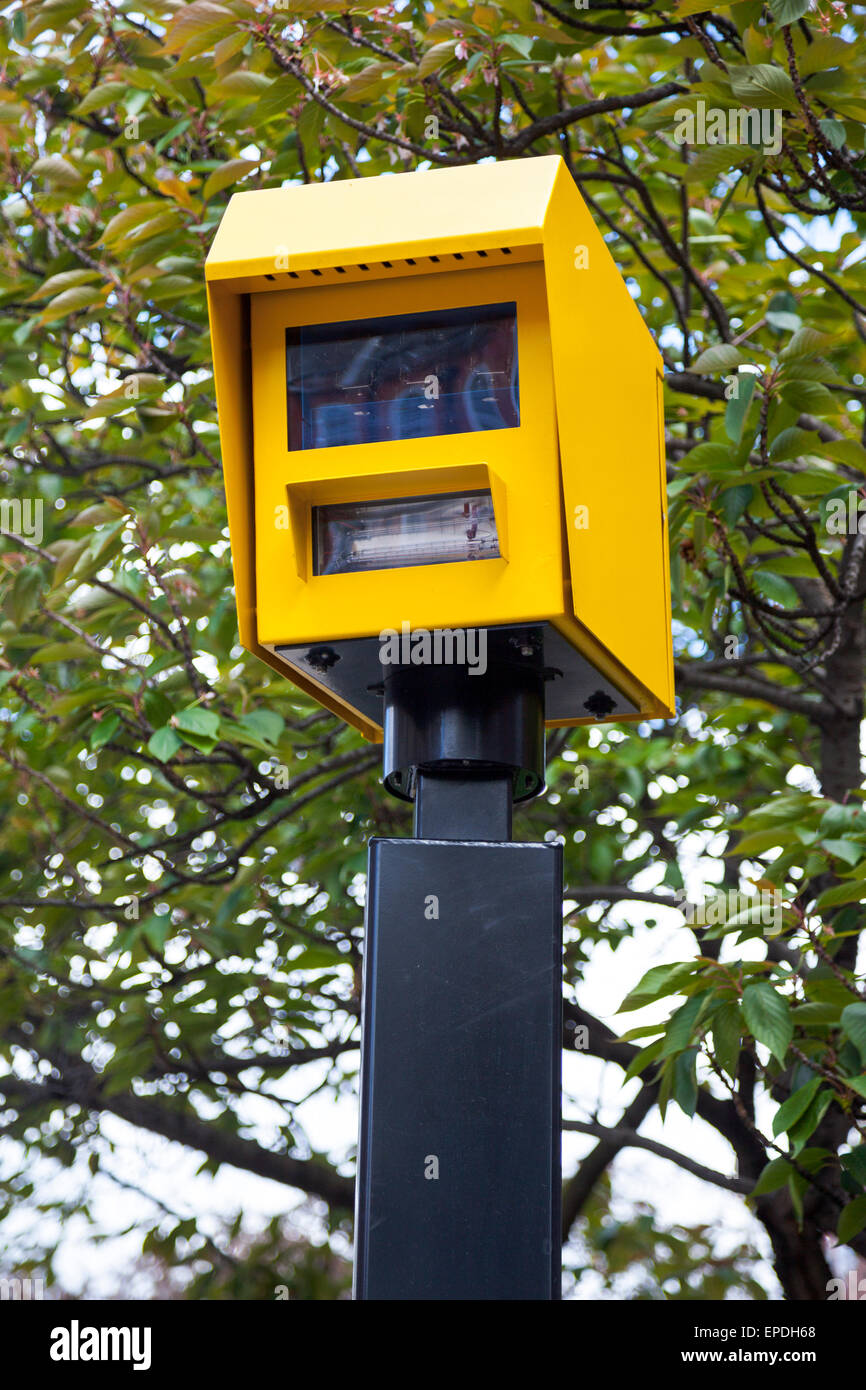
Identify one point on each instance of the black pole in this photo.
(458, 1193)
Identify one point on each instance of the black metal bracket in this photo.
(451, 720)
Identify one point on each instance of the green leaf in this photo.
(854, 892)
(762, 85)
(734, 501)
(838, 819)
(689, 7)
(806, 342)
(705, 458)
(775, 588)
(242, 84)
(163, 744)
(316, 958)
(848, 850)
(706, 166)
(790, 443)
(136, 388)
(813, 396)
(54, 169)
(849, 451)
(801, 1131)
(192, 21)
(661, 980)
(825, 51)
(767, 1016)
(855, 1163)
(727, 1037)
(196, 720)
(226, 174)
(129, 217)
(264, 724)
(105, 94)
(26, 594)
(156, 930)
(761, 840)
(853, 1023)
(273, 104)
(833, 132)
(104, 731)
(784, 323)
(435, 58)
(643, 1058)
(816, 1015)
(685, 1085)
(682, 1023)
(721, 357)
(738, 406)
(157, 708)
(97, 515)
(788, 11)
(521, 42)
(61, 651)
(71, 301)
(646, 1030)
(852, 1220)
(795, 1106)
(64, 280)
(783, 313)
(776, 1174)
(369, 83)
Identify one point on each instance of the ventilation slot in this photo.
(463, 258)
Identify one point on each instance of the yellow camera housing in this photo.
(574, 468)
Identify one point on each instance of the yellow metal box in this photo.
(400, 356)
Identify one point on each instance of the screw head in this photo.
(321, 658)
(524, 646)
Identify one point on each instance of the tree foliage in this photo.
(182, 849)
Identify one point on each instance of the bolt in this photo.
(321, 659)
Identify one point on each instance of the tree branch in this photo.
(629, 1138)
(311, 1175)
